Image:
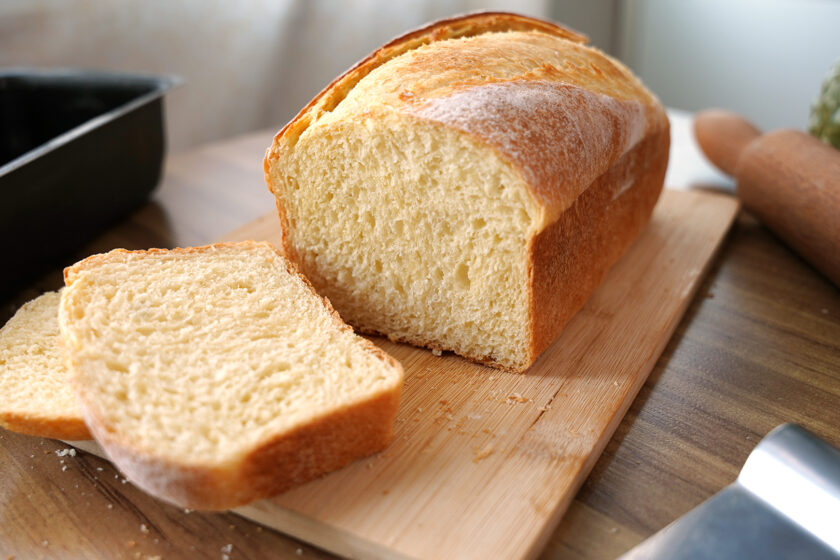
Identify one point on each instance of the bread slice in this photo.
(214, 376)
(35, 398)
(468, 185)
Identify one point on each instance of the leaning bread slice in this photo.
(35, 398)
(214, 376)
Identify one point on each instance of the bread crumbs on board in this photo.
(483, 453)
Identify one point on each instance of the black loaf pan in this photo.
(79, 150)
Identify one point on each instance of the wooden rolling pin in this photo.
(787, 178)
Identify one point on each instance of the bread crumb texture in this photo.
(199, 357)
(413, 202)
(35, 397)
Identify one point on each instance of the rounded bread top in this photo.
(560, 111)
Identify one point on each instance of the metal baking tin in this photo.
(79, 150)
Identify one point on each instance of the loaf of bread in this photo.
(467, 186)
(35, 398)
(215, 376)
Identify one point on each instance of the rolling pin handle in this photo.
(723, 135)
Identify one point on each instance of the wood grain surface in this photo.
(758, 346)
(485, 462)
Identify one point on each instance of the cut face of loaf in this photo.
(214, 376)
(467, 186)
(35, 397)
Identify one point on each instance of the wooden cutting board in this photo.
(484, 463)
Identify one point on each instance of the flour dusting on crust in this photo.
(560, 136)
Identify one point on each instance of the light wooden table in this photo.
(759, 346)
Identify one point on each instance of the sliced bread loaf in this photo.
(468, 185)
(214, 376)
(35, 398)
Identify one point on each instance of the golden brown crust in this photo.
(570, 258)
(570, 128)
(451, 28)
(55, 427)
(329, 443)
(466, 25)
(309, 451)
(591, 108)
(560, 137)
(325, 443)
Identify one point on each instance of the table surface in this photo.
(759, 346)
